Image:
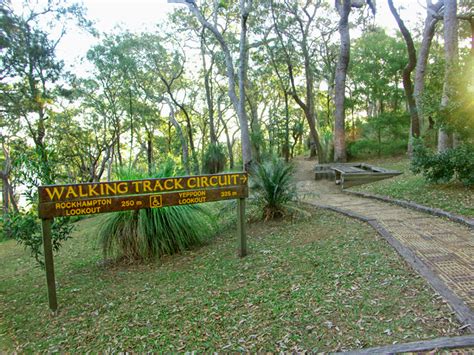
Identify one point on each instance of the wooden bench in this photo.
(343, 170)
(352, 174)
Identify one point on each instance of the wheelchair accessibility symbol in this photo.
(156, 201)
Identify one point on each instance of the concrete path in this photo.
(443, 246)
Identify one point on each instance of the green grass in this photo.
(455, 198)
(322, 283)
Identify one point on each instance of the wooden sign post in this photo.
(115, 196)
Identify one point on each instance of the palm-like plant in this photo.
(149, 233)
(214, 159)
(274, 187)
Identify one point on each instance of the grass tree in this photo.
(150, 233)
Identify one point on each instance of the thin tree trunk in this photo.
(8, 195)
(149, 151)
(308, 106)
(284, 88)
(423, 54)
(131, 125)
(286, 147)
(256, 130)
(247, 149)
(119, 154)
(407, 83)
(189, 127)
(209, 94)
(227, 136)
(111, 161)
(451, 57)
(182, 138)
(315, 142)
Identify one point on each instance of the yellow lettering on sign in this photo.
(192, 194)
(192, 182)
(122, 188)
(70, 191)
(213, 181)
(136, 186)
(234, 177)
(169, 184)
(81, 211)
(178, 184)
(224, 180)
(147, 186)
(187, 201)
(81, 192)
(87, 203)
(158, 186)
(56, 192)
(109, 189)
(204, 182)
(92, 190)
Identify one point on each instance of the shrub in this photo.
(214, 159)
(385, 134)
(366, 148)
(456, 163)
(274, 187)
(149, 233)
(26, 229)
(463, 161)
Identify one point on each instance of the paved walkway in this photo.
(446, 247)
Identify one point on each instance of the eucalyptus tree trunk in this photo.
(286, 147)
(284, 86)
(407, 83)
(8, 197)
(149, 151)
(209, 92)
(308, 107)
(344, 10)
(189, 127)
(182, 138)
(343, 7)
(451, 58)
(422, 60)
(315, 142)
(238, 103)
(245, 6)
(230, 143)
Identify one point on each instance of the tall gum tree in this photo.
(238, 100)
(343, 7)
(451, 61)
(431, 19)
(406, 75)
(302, 19)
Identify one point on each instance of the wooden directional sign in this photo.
(115, 196)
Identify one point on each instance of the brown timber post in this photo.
(49, 264)
(241, 232)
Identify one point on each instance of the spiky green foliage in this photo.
(214, 159)
(273, 186)
(150, 233)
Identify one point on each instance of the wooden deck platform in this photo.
(352, 174)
